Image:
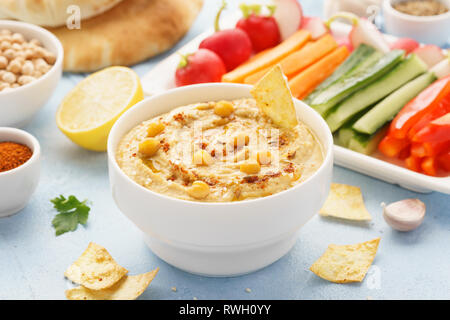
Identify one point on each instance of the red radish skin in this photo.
(430, 54)
(289, 15)
(315, 26)
(232, 45)
(199, 67)
(344, 41)
(263, 31)
(406, 44)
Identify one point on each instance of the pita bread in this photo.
(51, 13)
(131, 32)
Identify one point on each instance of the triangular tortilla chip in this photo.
(343, 264)
(128, 288)
(95, 269)
(274, 98)
(345, 202)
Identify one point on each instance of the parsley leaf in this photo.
(71, 213)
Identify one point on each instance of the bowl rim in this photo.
(327, 149)
(387, 6)
(10, 24)
(34, 144)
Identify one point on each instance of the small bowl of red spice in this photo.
(19, 169)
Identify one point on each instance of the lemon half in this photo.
(88, 112)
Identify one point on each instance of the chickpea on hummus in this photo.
(218, 152)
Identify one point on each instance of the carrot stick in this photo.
(306, 81)
(294, 42)
(301, 59)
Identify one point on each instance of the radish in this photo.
(442, 69)
(315, 26)
(344, 41)
(407, 44)
(363, 31)
(430, 54)
(288, 14)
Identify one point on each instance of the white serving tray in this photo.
(161, 78)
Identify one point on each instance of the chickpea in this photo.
(4, 85)
(18, 38)
(223, 108)
(5, 32)
(149, 147)
(155, 128)
(9, 77)
(264, 157)
(5, 45)
(36, 74)
(16, 46)
(242, 155)
(250, 167)
(35, 42)
(241, 140)
(27, 68)
(202, 158)
(198, 190)
(204, 106)
(9, 54)
(15, 66)
(3, 62)
(28, 54)
(49, 57)
(25, 79)
(38, 52)
(40, 65)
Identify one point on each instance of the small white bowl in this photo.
(19, 105)
(17, 185)
(427, 29)
(217, 239)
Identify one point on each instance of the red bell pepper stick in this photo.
(444, 161)
(414, 110)
(413, 163)
(436, 131)
(442, 109)
(391, 146)
(429, 166)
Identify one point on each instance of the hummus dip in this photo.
(218, 152)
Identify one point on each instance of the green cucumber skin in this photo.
(367, 144)
(344, 135)
(386, 110)
(337, 92)
(350, 65)
(408, 69)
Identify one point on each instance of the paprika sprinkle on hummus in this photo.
(13, 155)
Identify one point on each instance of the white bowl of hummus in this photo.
(214, 185)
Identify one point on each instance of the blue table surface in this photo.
(411, 265)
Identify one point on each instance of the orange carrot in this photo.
(301, 59)
(294, 42)
(306, 81)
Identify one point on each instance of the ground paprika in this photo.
(13, 155)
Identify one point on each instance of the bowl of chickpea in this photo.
(30, 69)
(226, 238)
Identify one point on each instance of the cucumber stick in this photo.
(386, 110)
(352, 63)
(346, 132)
(344, 135)
(345, 86)
(408, 69)
(367, 144)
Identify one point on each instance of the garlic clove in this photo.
(404, 215)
